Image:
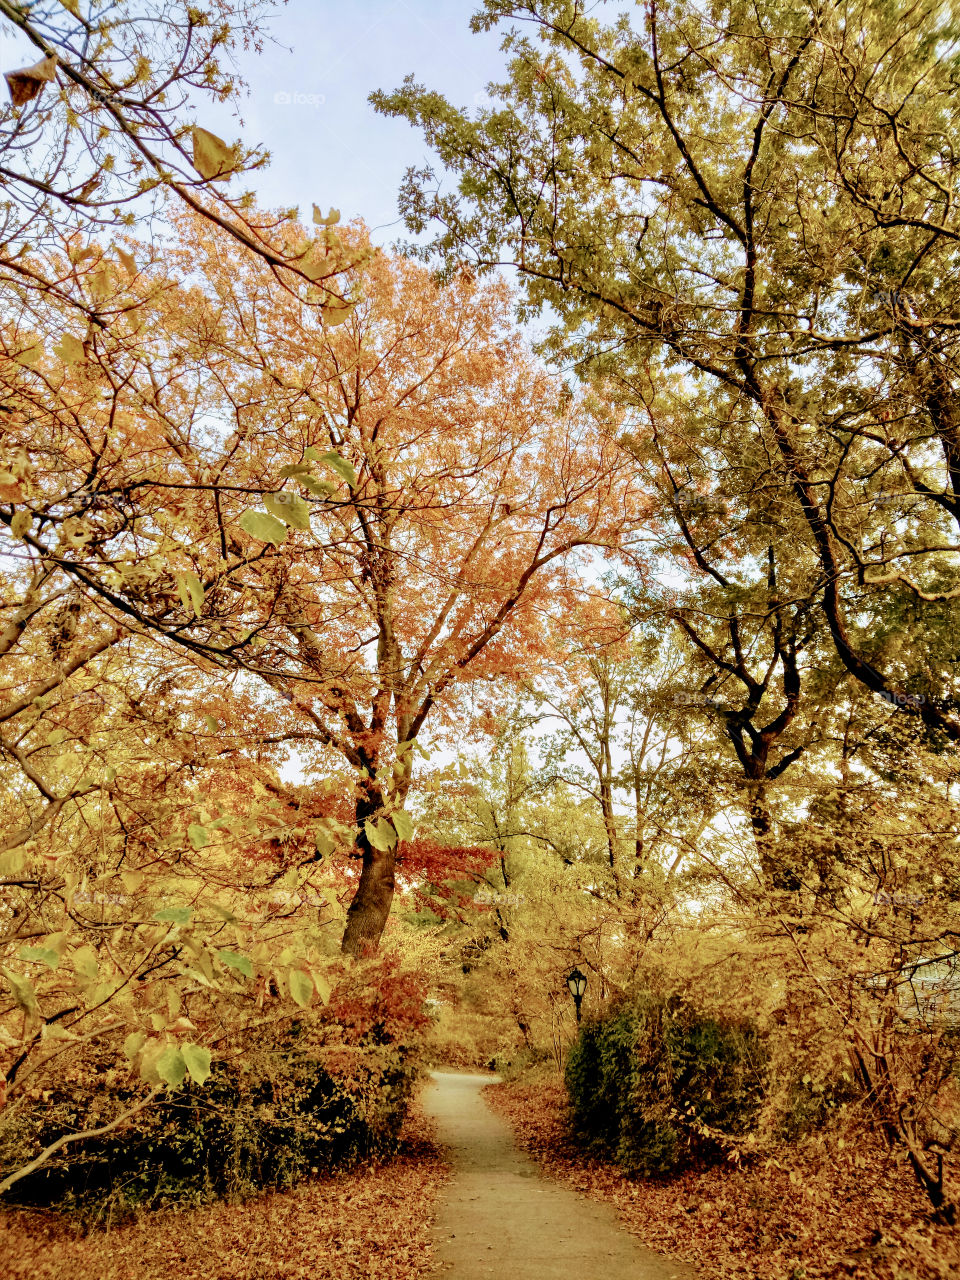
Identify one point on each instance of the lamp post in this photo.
(577, 982)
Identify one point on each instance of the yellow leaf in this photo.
(70, 349)
(332, 217)
(333, 314)
(213, 159)
(21, 522)
(100, 284)
(129, 262)
(301, 987)
(80, 255)
(322, 984)
(190, 590)
(73, 6)
(30, 355)
(85, 962)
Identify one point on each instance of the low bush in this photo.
(306, 1095)
(264, 1121)
(809, 1104)
(655, 1084)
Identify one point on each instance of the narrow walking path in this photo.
(499, 1217)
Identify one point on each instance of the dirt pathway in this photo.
(499, 1217)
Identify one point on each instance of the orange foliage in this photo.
(373, 512)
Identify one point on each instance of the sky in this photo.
(308, 95)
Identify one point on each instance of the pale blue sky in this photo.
(327, 142)
(307, 97)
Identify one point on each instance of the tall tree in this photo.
(462, 482)
(759, 199)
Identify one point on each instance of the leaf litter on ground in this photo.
(372, 1221)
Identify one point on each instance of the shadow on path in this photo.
(500, 1217)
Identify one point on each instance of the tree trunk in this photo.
(777, 874)
(369, 911)
(640, 819)
(609, 825)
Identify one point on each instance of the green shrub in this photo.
(321, 1090)
(656, 1085)
(262, 1121)
(810, 1104)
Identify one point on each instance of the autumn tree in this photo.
(622, 735)
(758, 200)
(425, 491)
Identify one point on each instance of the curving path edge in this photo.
(500, 1217)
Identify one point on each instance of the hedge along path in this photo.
(500, 1217)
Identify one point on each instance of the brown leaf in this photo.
(26, 83)
(214, 160)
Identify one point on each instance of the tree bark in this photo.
(369, 910)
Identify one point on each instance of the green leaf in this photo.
(171, 1067)
(295, 469)
(310, 454)
(23, 991)
(324, 843)
(319, 488)
(289, 508)
(56, 736)
(403, 824)
(197, 1061)
(190, 590)
(301, 987)
(263, 527)
(176, 915)
(211, 724)
(199, 835)
(340, 466)
(380, 834)
(133, 1044)
(40, 955)
(233, 960)
(85, 962)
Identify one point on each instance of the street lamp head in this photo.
(577, 982)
